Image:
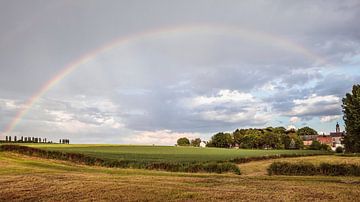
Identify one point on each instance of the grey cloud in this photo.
(149, 78)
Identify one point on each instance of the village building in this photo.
(308, 139)
(334, 140)
(307, 142)
(337, 137)
(202, 144)
(325, 139)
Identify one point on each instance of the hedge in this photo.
(285, 168)
(276, 156)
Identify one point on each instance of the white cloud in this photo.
(10, 104)
(325, 119)
(270, 86)
(291, 127)
(222, 97)
(316, 105)
(160, 137)
(230, 106)
(294, 119)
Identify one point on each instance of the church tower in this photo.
(337, 128)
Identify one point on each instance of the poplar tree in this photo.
(351, 109)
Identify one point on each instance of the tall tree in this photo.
(351, 109)
(223, 140)
(183, 141)
(196, 142)
(306, 131)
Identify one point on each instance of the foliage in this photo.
(183, 141)
(351, 109)
(285, 168)
(316, 145)
(339, 150)
(196, 142)
(261, 158)
(221, 140)
(267, 138)
(306, 131)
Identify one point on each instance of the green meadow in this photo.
(165, 153)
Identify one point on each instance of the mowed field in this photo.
(164, 153)
(24, 178)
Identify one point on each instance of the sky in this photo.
(149, 72)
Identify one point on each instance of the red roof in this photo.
(324, 139)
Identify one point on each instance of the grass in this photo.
(165, 153)
(24, 178)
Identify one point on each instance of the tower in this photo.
(337, 128)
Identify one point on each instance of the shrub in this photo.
(339, 150)
(315, 145)
(276, 156)
(285, 168)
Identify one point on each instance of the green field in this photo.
(165, 153)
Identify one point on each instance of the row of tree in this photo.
(64, 141)
(26, 140)
(265, 138)
(8, 139)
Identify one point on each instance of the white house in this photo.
(202, 144)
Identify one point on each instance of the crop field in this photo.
(24, 178)
(165, 153)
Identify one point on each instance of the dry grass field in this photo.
(25, 178)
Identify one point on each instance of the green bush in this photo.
(285, 168)
(339, 150)
(260, 158)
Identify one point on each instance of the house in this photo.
(334, 140)
(202, 144)
(307, 142)
(308, 139)
(325, 139)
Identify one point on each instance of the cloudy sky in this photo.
(155, 71)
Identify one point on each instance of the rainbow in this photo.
(251, 35)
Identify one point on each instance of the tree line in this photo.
(253, 138)
(260, 138)
(22, 139)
